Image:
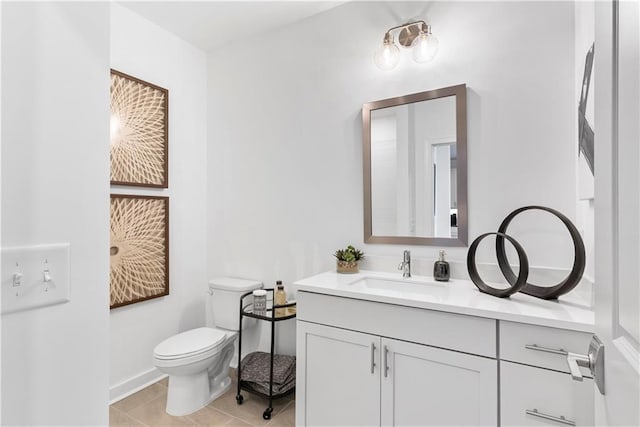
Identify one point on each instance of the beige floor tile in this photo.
(208, 416)
(235, 422)
(145, 395)
(120, 419)
(153, 414)
(147, 407)
(285, 418)
(251, 409)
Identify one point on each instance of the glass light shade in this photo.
(424, 47)
(387, 56)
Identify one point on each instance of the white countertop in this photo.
(571, 311)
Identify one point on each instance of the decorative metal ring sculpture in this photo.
(544, 292)
(517, 284)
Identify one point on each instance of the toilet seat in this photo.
(190, 343)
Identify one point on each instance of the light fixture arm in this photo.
(408, 24)
(408, 32)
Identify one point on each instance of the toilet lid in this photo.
(189, 343)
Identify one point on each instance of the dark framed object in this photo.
(458, 219)
(139, 132)
(139, 248)
(585, 131)
(516, 285)
(544, 292)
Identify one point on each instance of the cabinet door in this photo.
(338, 377)
(424, 385)
(533, 396)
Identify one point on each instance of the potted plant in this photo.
(347, 259)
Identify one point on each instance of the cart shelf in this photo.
(246, 310)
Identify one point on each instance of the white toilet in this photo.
(197, 361)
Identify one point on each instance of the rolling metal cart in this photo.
(246, 310)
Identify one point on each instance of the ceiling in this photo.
(210, 24)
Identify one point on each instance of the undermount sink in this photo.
(400, 284)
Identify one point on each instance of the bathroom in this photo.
(265, 161)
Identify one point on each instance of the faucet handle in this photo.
(401, 266)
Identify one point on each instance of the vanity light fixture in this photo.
(415, 35)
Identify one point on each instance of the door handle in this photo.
(594, 360)
(575, 361)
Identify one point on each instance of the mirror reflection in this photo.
(413, 168)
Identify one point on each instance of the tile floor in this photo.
(146, 408)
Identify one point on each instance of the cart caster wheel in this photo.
(239, 399)
(267, 413)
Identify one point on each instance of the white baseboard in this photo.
(134, 384)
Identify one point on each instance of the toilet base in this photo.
(189, 393)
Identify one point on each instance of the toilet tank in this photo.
(225, 293)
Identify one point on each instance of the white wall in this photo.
(55, 186)
(0, 208)
(146, 51)
(285, 168)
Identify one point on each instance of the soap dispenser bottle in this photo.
(441, 269)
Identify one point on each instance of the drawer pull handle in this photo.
(373, 357)
(546, 349)
(561, 419)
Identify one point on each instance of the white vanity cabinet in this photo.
(428, 386)
(361, 377)
(536, 388)
(531, 396)
(336, 378)
(412, 352)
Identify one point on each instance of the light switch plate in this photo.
(25, 271)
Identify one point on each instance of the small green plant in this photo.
(350, 254)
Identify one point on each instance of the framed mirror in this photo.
(415, 168)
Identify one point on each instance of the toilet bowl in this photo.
(197, 360)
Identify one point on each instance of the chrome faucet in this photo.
(405, 265)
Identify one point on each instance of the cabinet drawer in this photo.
(539, 397)
(515, 337)
(468, 334)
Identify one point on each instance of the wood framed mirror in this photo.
(415, 168)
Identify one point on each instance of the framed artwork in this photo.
(586, 146)
(139, 248)
(139, 132)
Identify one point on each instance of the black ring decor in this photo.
(544, 292)
(516, 285)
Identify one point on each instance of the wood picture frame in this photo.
(139, 127)
(139, 248)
